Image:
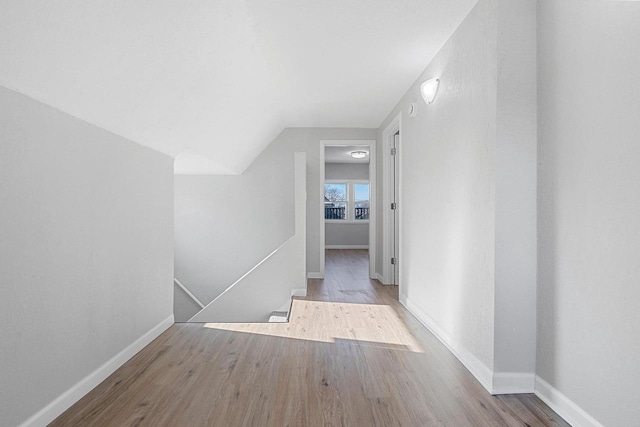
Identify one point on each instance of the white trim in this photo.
(400, 201)
(88, 383)
(188, 292)
(478, 369)
(372, 199)
(299, 292)
(384, 281)
(379, 278)
(346, 247)
(346, 221)
(563, 406)
(323, 145)
(402, 299)
(513, 382)
(373, 203)
(493, 382)
(314, 275)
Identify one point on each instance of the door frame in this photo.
(371, 143)
(387, 219)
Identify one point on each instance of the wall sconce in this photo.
(429, 90)
(358, 154)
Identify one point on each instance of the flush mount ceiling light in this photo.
(358, 154)
(429, 90)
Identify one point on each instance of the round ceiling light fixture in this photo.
(358, 154)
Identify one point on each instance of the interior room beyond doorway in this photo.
(347, 197)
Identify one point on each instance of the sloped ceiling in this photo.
(219, 79)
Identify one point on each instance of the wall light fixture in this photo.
(429, 90)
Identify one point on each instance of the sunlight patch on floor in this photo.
(367, 324)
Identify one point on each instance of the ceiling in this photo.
(342, 153)
(217, 80)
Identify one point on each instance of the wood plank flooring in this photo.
(351, 355)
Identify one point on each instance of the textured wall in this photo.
(448, 192)
(86, 250)
(589, 205)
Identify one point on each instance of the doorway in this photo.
(347, 198)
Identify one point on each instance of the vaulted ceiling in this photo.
(217, 80)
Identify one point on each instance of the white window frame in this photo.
(351, 203)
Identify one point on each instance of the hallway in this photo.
(351, 355)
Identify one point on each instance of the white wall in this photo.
(468, 195)
(447, 208)
(86, 250)
(515, 180)
(218, 234)
(589, 205)
(346, 171)
(347, 234)
(270, 285)
(184, 307)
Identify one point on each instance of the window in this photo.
(335, 201)
(346, 200)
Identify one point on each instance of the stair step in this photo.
(279, 317)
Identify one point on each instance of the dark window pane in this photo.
(335, 210)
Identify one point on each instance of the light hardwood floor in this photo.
(351, 355)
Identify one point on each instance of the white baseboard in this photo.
(565, 407)
(402, 298)
(88, 383)
(299, 292)
(478, 369)
(346, 246)
(314, 276)
(380, 278)
(493, 382)
(513, 382)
